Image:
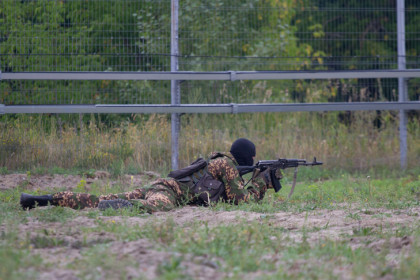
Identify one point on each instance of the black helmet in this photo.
(243, 150)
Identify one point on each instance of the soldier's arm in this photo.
(224, 169)
(259, 183)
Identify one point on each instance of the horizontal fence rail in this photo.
(207, 108)
(220, 75)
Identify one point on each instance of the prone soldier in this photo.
(202, 183)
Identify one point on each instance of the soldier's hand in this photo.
(265, 175)
(254, 191)
(268, 179)
(278, 174)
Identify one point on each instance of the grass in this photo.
(99, 256)
(143, 143)
(342, 190)
(263, 248)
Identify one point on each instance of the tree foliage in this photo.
(219, 35)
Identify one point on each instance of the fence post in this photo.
(402, 82)
(175, 88)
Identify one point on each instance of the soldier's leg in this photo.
(162, 195)
(75, 200)
(85, 200)
(139, 193)
(159, 199)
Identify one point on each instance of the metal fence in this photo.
(209, 57)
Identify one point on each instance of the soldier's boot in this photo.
(28, 201)
(114, 203)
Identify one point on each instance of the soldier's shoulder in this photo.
(227, 157)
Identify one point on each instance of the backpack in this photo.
(204, 186)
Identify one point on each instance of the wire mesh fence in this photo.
(213, 36)
(221, 35)
(131, 35)
(202, 92)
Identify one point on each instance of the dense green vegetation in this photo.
(219, 35)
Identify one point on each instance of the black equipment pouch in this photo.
(208, 189)
(195, 166)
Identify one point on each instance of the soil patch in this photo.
(69, 182)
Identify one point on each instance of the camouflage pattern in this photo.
(224, 169)
(157, 197)
(75, 200)
(165, 194)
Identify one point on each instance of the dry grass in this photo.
(28, 142)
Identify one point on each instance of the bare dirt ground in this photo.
(69, 182)
(329, 224)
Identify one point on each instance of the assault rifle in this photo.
(273, 165)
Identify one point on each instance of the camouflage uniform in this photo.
(166, 193)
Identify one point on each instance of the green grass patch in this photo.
(264, 248)
(99, 256)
